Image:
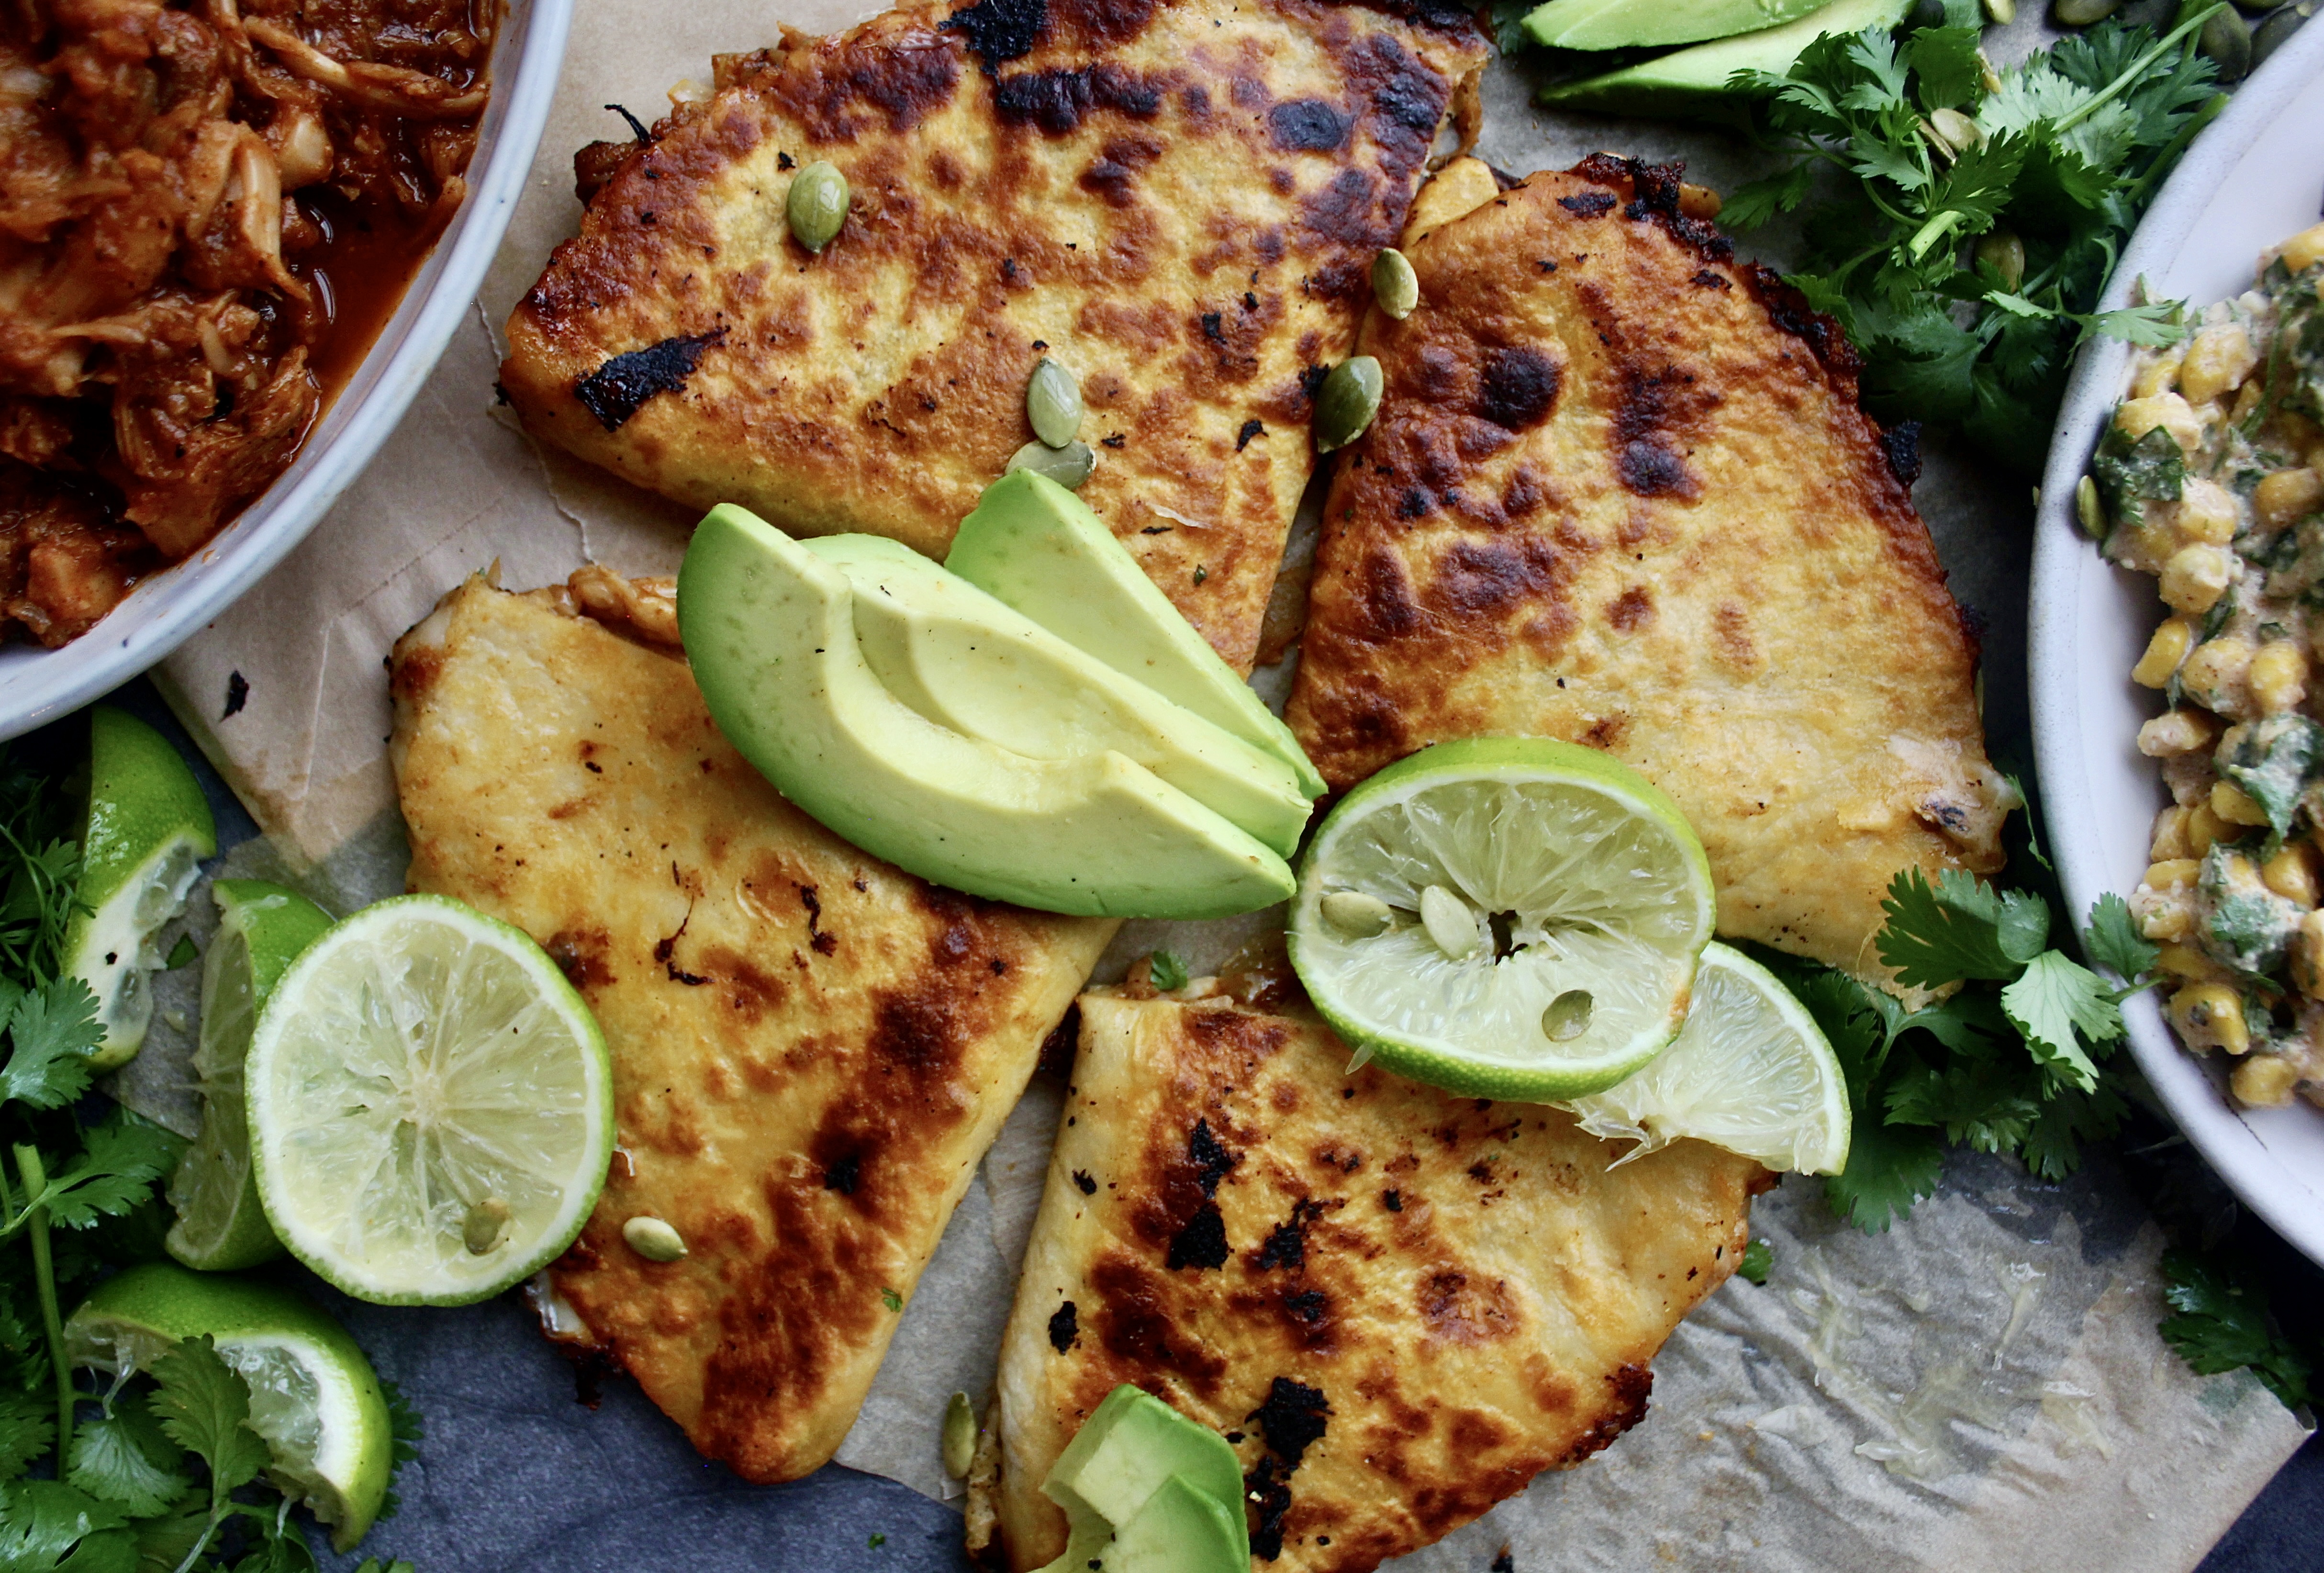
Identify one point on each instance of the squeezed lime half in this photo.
(1749, 1071)
(431, 1108)
(313, 1396)
(1505, 918)
(262, 929)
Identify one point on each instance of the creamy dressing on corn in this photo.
(2211, 476)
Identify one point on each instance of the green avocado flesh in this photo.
(1126, 1453)
(1034, 546)
(770, 628)
(967, 662)
(1182, 1529)
(1694, 81)
(1637, 24)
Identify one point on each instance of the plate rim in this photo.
(2189, 1088)
(252, 544)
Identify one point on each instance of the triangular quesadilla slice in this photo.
(1621, 492)
(1397, 1305)
(1178, 201)
(811, 1049)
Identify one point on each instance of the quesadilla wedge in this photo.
(1176, 200)
(1397, 1305)
(811, 1050)
(1619, 492)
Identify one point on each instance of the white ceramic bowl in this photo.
(39, 685)
(2254, 177)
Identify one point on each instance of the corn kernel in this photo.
(2307, 955)
(2188, 962)
(2165, 651)
(2170, 836)
(2278, 677)
(2286, 497)
(2215, 669)
(2206, 512)
(2292, 874)
(2264, 1081)
(2137, 417)
(2206, 829)
(2247, 398)
(2161, 375)
(2219, 360)
(2208, 1015)
(2304, 250)
(2168, 922)
(2176, 732)
(2195, 577)
(2231, 803)
(2173, 874)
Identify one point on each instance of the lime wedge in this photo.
(431, 1109)
(1749, 1071)
(313, 1396)
(149, 828)
(262, 929)
(1505, 918)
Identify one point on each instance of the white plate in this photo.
(39, 685)
(2254, 177)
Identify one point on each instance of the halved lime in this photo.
(431, 1109)
(313, 1396)
(1749, 1071)
(1505, 918)
(262, 929)
(149, 828)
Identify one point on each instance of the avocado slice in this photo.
(1131, 1446)
(1637, 24)
(1036, 546)
(770, 631)
(1182, 1529)
(1694, 81)
(968, 662)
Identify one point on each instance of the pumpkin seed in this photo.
(1069, 465)
(2005, 253)
(486, 1226)
(653, 1239)
(959, 1436)
(2083, 12)
(1053, 403)
(1355, 914)
(1396, 288)
(817, 205)
(2272, 33)
(2001, 13)
(2227, 40)
(1568, 1016)
(1349, 398)
(1449, 922)
(1952, 131)
(2087, 509)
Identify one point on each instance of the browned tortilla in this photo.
(1179, 200)
(1466, 1291)
(811, 1050)
(1619, 492)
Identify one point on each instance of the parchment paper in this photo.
(1980, 1388)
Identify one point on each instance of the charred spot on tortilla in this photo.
(1200, 1242)
(618, 389)
(1064, 1326)
(1589, 204)
(1264, 1488)
(999, 31)
(1291, 1418)
(1211, 1159)
(1518, 388)
(1901, 444)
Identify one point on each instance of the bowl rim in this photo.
(381, 388)
(2188, 1087)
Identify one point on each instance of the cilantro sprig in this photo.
(1960, 223)
(2001, 1051)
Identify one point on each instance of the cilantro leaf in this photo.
(2221, 1323)
(1758, 1257)
(1753, 204)
(1166, 971)
(1890, 1168)
(1967, 1102)
(2068, 1118)
(2114, 942)
(284, 1552)
(53, 1032)
(204, 1406)
(408, 1430)
(124, 1457)
(1942, 934)
(125, 1154)
(41, 1520)
(2056, 998)
(164, 1544)
(28, 1428)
